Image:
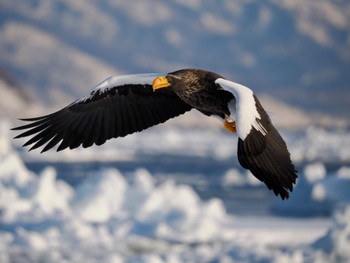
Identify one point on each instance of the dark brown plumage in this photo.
(198, 89)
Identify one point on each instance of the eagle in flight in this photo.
(131, 103)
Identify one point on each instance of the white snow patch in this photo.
(98, 198)
(315, 172)
(335, 245)
(344, 172)
(233, 177)
(318, 144)
(316, 193)
(51, 194)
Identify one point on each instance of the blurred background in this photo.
(176, 193)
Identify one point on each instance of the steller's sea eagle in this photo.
(131, 103)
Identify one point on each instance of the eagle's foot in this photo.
(230, 125)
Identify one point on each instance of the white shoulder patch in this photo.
(246, 111)
(141, 79)
(114, 81)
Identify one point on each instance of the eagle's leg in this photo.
(230, 124)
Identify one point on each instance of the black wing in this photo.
(105, 114)
(267, 156)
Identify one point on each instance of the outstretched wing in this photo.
(115, 108)
(266, 155)
(261, 149)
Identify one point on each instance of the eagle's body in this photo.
(126, 104)
(201, 92)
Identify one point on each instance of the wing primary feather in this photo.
(142, 116)
(37, 118)
(63, 125)
(30, 125)
(42, 138)
(97, 125)
(88, 139)
(138, 124)
(32, 130)
(82, 124)
(125, 127)
(64, 144)
(38, 136)
(129, 114)
(103, 134)
(99, 128)
(56, 139)
(118, 121)
(112, 127)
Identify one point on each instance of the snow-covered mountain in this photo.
(297, 51)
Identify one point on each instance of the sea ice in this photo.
(317, 194)
(110, 218)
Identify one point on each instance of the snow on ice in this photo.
(107, 218)
(317, 194)
(43, 217)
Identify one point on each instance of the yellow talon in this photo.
(230, 126)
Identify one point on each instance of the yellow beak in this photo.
(159, 83)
